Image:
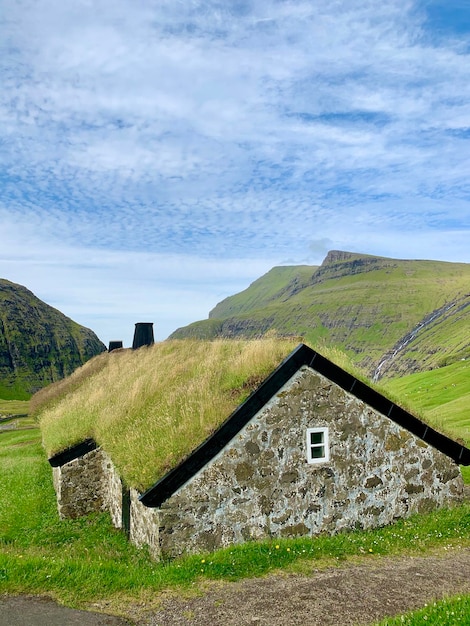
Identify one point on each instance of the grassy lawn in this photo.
(86, 560)
(14, 407)
(441, 397)
(449, 612)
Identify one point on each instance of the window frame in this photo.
(325, 444)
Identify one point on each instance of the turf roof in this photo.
(199, 449)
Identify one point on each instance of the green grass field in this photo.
(441, 397)
(450, 612)
(433, 391)
(14, 407)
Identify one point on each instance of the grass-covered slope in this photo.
(442, 396)
(234, 316)
(278, 284)
(401, 315)
(38, 344)
(149, 408)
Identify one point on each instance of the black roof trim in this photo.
(302, 355)
(73, 453)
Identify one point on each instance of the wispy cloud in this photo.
(201, 135)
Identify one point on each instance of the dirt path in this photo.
(349, 595)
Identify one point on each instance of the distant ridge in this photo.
(38, 344)
(392, 316)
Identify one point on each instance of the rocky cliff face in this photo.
(38, 344)
(339, 264)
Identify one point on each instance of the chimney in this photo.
(143, 335)
(114, 345)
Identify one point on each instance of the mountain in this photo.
(38, 344)
(391, 316)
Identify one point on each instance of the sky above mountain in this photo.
(158, 156)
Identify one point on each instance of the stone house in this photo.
(312, 450)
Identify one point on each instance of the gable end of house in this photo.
(302, 356)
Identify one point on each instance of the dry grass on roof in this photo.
(151, 407)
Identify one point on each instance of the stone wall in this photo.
(78, 485)
(262, 486)
(144, 527)
(92, 484)
(112, 490)
(89, 484)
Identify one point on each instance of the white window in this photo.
(317, 445)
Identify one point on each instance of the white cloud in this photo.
(198, 135)
(109, 291)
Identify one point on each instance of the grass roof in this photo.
(149, 408)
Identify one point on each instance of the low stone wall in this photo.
(89, 484)
(92, 484)
(144, 525)
(112, 490)
(79, 486)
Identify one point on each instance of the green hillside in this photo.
(278, 284)
(38, 344)
(442, 396)
(391, 316)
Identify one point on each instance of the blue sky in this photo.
(158, 156)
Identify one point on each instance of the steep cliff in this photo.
(38, 344)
